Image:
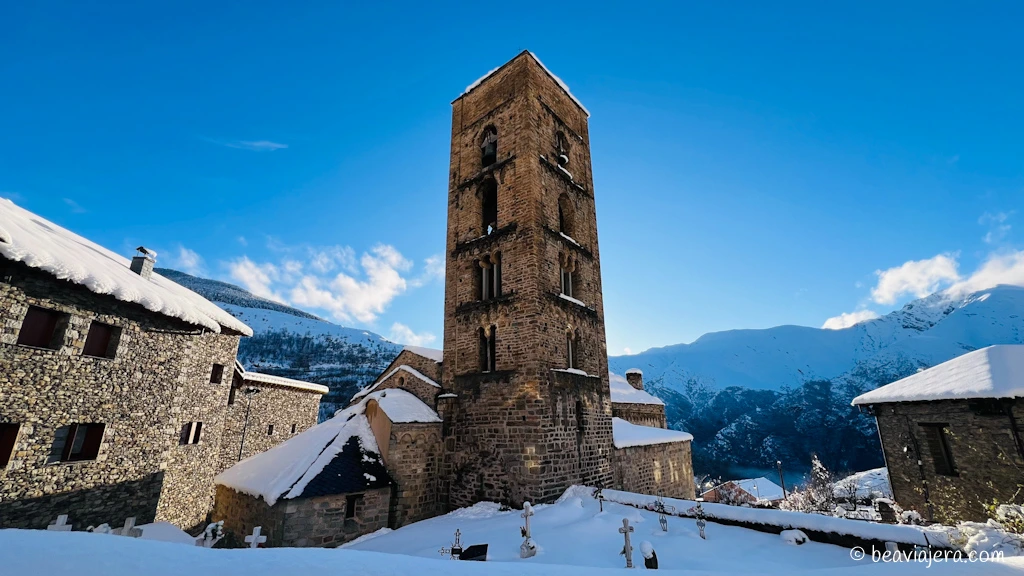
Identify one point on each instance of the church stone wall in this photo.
(158, 380)
(663, 469)
(414, 462)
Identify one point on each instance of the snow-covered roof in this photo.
(282, 381)
(428, 353)
(403, 407)
(285, 470)
(39, 243)
(404, 368)
(761, 488)
(634, 371)
(624, 393)
(626, 434)
(993, 372)
(872, 483)
(557, 80)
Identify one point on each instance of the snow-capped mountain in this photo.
(293, 343)
(751, 397)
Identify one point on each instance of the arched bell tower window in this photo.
(490, 276)
(562, 148)
(567, 276)
(489, 201)
(566, 216)
(488, 348)
(489, 147)
(572, 339)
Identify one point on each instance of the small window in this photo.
(43, 328)
(270, 430)
(190, 433)
(80, 442)
(353, 502)
(294, 428)
(489, 204)
(217, 374)
(488, 349)
(567, 287)
(571, 349)
(489, 147)
(8, 438)
(938, 446)
(102, 340)
(566, 216)
(490, 276)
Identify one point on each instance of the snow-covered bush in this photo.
(793, 537)
(817, 497)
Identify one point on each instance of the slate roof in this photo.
(347, 473)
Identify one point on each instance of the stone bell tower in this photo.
(524, 339)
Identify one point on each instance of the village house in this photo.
(760, 491)
(519, 405)
(115, 384)
(951, 434)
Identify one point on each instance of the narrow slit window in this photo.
(567, 287)
(191, 432)
(8, 439)
(270, 430)
(572, 350)
(489, 204)
(938, 446)
(496, 274)
(294, 428)
(489, 147)
(102, 340)
(217, 374)
(488, 349)
(352, 503)
(81, 442)
(43, 328)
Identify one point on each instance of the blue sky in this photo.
(754, 165)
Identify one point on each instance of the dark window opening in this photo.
(572, 349)
(294, 428)
(938, 446)
(562, 147)
(43, 328)
(217, 374)
(8, 438)
(567, 282)
(231, 396)
(566, 216)
(488, 349)
(580, 423)
(352, 503)
(190, 433)
(102, 340)
(490, 277)
(489, 199)
(270, 430)
(81, 442)
(489, 147)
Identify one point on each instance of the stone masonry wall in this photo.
(242, 512)
(414, 462)
(663, 469)
(283, 407)
(641, 414)
(987, 460)
(158, 380)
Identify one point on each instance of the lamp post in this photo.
(249, 393)
(778, 464)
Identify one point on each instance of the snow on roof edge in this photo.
(625, 434)
(403, 367)
(282, 381)
(428, 353)
(557, 80)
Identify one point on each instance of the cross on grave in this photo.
(627, 550)
(455, 551)
(701, 522)
(528, 548)
(255, 540)
(527, 512)
(129, 529)
(663, 511)
(599, 494)
(60, 524)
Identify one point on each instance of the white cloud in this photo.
(243, 241)
(188, 261)
(75, 206)
(256, 278)
(252, 145)
(997, 226)
(323, 260)
(1005, 268)
(627, 350)
(917, 277)
(433, 269)
(847, 319)
(402, 334)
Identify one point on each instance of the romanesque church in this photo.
(519, 405)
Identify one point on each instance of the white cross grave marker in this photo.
(255, 540)
(627, 550)
(60, 525)
(129, 528)
(527, 549)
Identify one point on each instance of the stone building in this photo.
(951, 434)
(758, 490)
(114, 383)
(519, 405)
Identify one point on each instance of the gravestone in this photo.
(476, 552)
(255, 539)
(627, 550)
(128, 529)
(60, 524)
(650, 556)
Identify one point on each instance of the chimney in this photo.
(142, 263)
(635, 378)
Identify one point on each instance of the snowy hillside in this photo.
(751, 397)
(293, 343)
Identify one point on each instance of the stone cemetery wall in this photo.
(987, 461)
(158, 380)
(640, 414)
(663, 469)
(414, 461)
(322, 521)
(275, 405)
